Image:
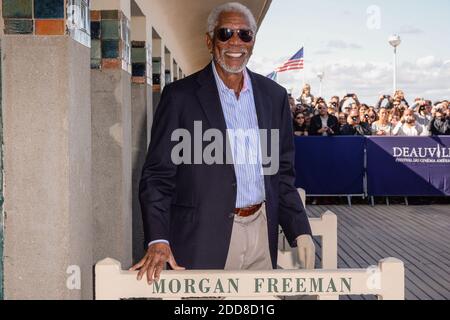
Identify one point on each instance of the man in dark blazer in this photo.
(323, 124)
(221, 216)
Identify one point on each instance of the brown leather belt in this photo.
(249, 211)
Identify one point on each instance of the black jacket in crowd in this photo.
(316, 125)
(362, 129)
(439, 127)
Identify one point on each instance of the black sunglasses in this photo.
(225, 34)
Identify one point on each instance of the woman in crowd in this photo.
(300, 127)
(373, 117)
(382, 127)
(306, 97)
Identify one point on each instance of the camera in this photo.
(355, 119)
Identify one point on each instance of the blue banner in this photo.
(408, 166)
(330, 165)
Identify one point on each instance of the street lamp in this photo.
(395, 41)
(320, 75)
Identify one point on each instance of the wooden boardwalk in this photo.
(417, 235)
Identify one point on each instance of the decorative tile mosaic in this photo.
(96, 50)
(110, 29)
(139, 62)
(48, 17)
(156, 79)
(110, 14)
(49, 9)
(17, 8)
(138, 55)
(18, 26)
(138, 69)
(96, 63)
(50, 27)
(95, 30)
(156, 67)
(96, 15)
(110, 49)
(111, 63)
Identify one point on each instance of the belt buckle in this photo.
(253, 208)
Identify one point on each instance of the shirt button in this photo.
(231, 215)
(234, 185)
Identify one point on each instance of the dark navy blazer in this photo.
(192, 205)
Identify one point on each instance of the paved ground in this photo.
(417, 235)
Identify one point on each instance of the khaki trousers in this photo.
(249, 245)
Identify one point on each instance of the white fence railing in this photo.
(324, 227)
(385, 281)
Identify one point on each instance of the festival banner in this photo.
(408, 166)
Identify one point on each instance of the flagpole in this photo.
(304, 68)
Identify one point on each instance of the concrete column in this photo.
(168, 64)
(141, 118)
(158, 53)
(112, 137)
(47, 167)
(175, 71)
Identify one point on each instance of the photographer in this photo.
(335, 103)
(355, 127)
(352, 96)
(423, 111)
(440, 124)
(400, 96)
(389, 105)
(323, 124)
(408, 126)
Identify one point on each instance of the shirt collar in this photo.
(222, 87)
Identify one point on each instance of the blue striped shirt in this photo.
(243, 132)
(241, 114)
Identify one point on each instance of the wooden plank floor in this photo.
(417, 235)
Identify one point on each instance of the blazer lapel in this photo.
(262, 104)
(208, 95)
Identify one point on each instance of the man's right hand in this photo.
(158, 254)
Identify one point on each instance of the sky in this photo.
(348, 41)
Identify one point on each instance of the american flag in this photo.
(272, 76)
(294, 63)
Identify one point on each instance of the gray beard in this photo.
(221, 61)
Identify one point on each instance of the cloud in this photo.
(430, 62)
(427, 77)
(334, 45)
(408, 29)
(340, 44)
(323, 52)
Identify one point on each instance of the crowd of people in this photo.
(391, 116)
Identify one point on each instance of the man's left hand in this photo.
(306, 252)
